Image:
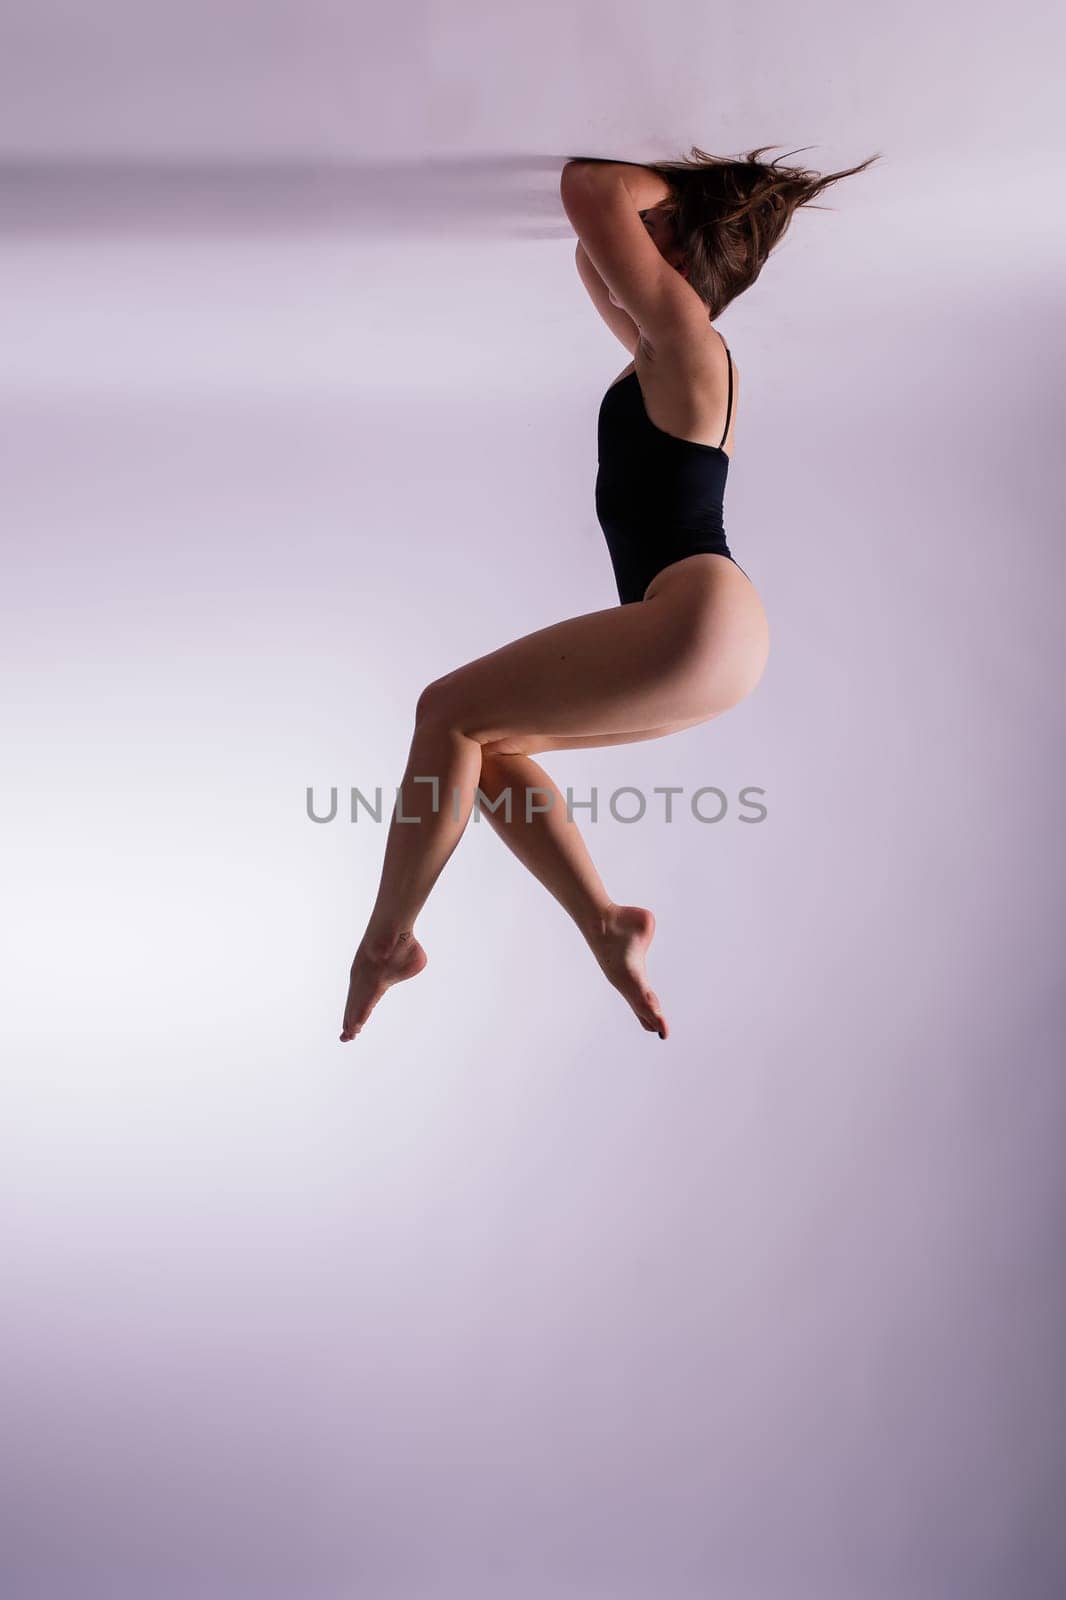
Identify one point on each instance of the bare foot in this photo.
(620, 946)
(376, 968)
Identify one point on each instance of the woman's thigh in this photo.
(690, 650)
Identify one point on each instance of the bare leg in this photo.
(549, 844)
(444, 769)
(694, 647)
(435, 800)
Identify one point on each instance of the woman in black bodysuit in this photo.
(662, 250)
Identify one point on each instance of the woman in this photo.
(662, 250)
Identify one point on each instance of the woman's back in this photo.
(660, 483)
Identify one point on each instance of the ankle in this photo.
(378, 944)
(595, 921)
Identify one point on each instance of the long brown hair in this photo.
(729, 213)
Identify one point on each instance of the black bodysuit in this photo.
(658, 498)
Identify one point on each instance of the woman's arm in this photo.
(645, 187)
(616, 317)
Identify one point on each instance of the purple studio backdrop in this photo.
(506, 1299)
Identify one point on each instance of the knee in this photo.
(513, 746)
(443, 704)
(430, 705)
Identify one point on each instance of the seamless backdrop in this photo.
(298, 398)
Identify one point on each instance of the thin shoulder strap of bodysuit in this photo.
(729, 407)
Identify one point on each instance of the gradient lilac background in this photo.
(504, 1300)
